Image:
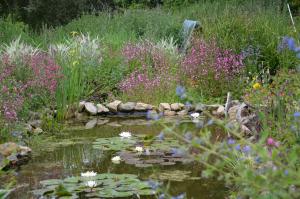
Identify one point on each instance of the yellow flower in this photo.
(256, 85)
(74, 33)
(75, 63)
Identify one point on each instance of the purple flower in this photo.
(188, 136)
(230, 141)
(177, 152)
(246, 149)
(161, 196)
(291, 43)
(180, 91)
(238, 147)
(297, 114)
(286, 172)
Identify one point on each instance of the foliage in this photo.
(212, 70)
(152, 72)
(26, 73)
(106, 185)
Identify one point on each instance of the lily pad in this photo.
(107, 186)
(113, 143)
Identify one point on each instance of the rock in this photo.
(182, 113)
(142, 107)
(113, 106)
(8, 148)
(169, 113)
(91, 124)
(70, 113)
(24, 150)
(91, 108)
(37, 131)
(164, 106)
(81, 106)
(232, 112)
(35, 123)
(102, 122)
(79, 116)
(220, 111)
(126, 107)
(177, 106)
(200, 107)
(28, 128)
(102, 109)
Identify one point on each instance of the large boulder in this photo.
(91, 108)
(126, 107)
(142, 107)
(177, 106)
(169, 113)
(12, 154)
(91, 124)
(113, 106)
(102, 109)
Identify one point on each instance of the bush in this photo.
(152, 73)
(211, 70)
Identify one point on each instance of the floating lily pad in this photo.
(113, 143)
(175, 175)
(107, 186)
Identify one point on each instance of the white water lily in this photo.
(125, 134)
(91, 184)
(195, 115)
(139, 149)
(89, 174)
(116, 159)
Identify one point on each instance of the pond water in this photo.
(73, 153)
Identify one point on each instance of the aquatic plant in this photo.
(105, 185)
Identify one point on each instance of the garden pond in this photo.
(78, 150)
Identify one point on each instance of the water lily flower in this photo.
(139, 149)
(89, 174)
(91, 184)
(116, 160)
(125, 134)
(256, 85)
(195, 115)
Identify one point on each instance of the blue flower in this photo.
(153, 115)
(286, 172)
(258, 160)
(177, 152)
(181, 196)
(161, 196)
(246, 149)
(297, 114)
(230, 141)
(238, 147)
(161, 136)
(180, 91)
(291, 43)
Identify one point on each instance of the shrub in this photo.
(212, 70)
(26, 73)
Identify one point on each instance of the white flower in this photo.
(116, 160)
(195, 115)
(125, 134)
(89, 174)
(139, 149)
(91, 184)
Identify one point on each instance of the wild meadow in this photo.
(243, 58)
